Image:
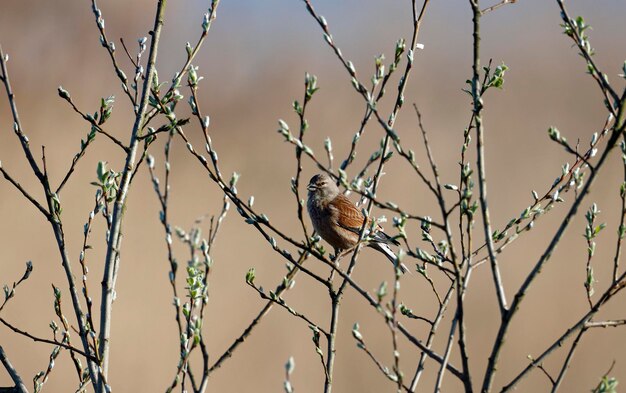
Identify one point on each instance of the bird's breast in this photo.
(325, 224)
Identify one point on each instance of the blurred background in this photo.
(253, 64)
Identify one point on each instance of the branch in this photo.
(44, 340)
(266, 309)
(446, 355)
(114, 237)
(19, 385)
(383, 369)
(587, 53)
(9, 293)
(89, 119)
(570, 355)
(274, 298)
(25, 193)
(480, 147)
(17, 125)
(431, 336)
(310, 86)
(110, 48)
(621, 230)
(604, 324)
(534, 210)
(496, 6)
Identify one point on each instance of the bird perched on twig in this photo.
(339, 221)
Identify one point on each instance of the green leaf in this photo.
(250, 275)
(606, 385)
(382, 291)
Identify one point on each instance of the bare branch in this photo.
(272, 297)
(25, 193)
(570, 355)
(17, 125)
(44, 340)
(19, 384)
(477, 91)
(114, 237)
(496, 6)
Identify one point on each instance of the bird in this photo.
(338, 221)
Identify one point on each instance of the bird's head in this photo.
(322, 186)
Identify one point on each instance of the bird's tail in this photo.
(382, 247)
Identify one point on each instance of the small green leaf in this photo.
(250, 275)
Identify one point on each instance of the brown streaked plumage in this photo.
(339, 221)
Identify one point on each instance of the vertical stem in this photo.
(335, 298)
(618, 248)
(115, 233)
(461, 284)
(393, 325)
(446, 355)
(480, 146)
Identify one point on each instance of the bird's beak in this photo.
(311, 187)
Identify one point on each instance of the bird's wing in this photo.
(348, 216)
(351, 218)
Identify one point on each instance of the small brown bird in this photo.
(339, 221)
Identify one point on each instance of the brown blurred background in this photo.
(254, 63)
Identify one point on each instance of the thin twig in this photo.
(604, 324)
(11, 292)
(206, 27)
(45, 340)
(281, 302)
(556, 188)
(598, 75)
(17, 125)
(621, 229)
(89, 119)
(266, 309)
(496, 6)
(570, 355)
(25, 193)
(431, 336)
(110, 48)
(308, 93)
(446, 355)
(384, 370)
